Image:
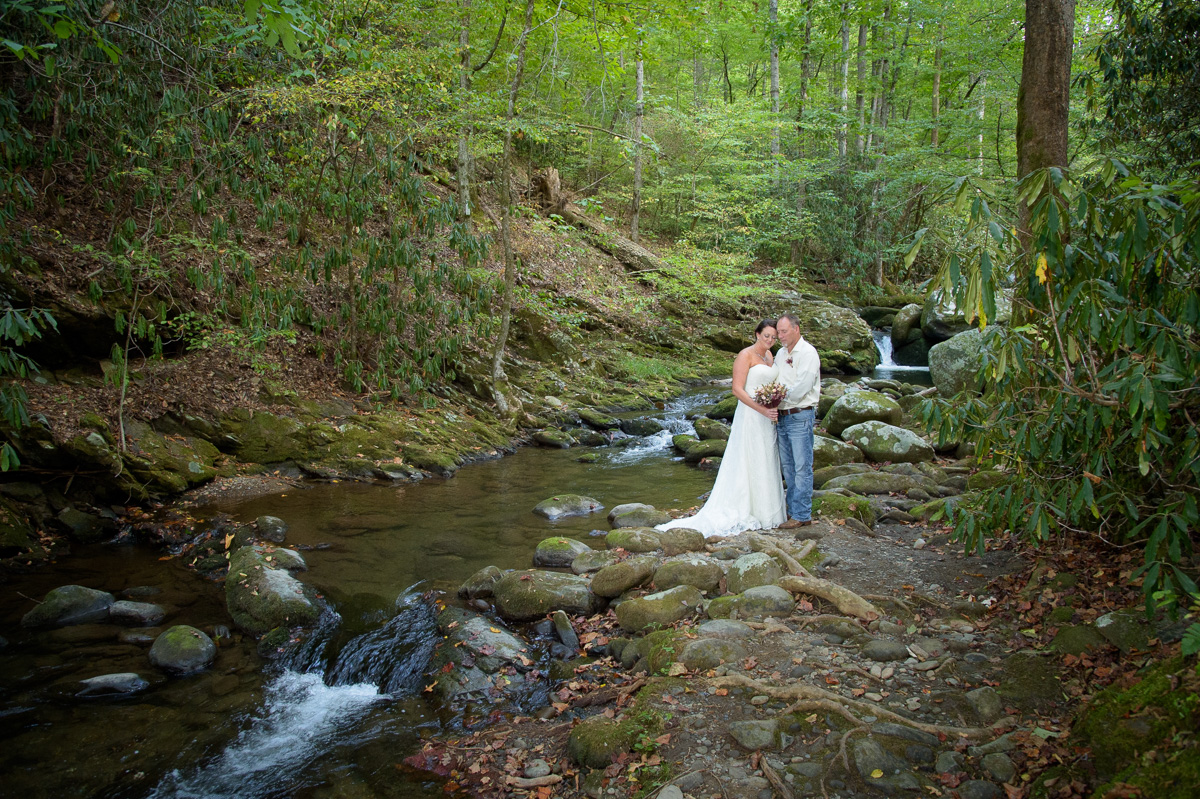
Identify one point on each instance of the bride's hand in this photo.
(772, 414)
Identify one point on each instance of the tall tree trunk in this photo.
(464, 85)
(639, 110)
(860, 92)
(774, 17)
(506, 200)
(1044, 98)
(843, 90)
(802, 184)
(937, 86)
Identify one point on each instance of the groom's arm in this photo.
(804, 384)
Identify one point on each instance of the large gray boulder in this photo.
(645, 516)
(475, 648)
(885, 442)
(261, 594)
(182, 650)
(696, 570)
(954, 364)
(531, 594)
(614, 580)
(659, 610)
(564, 505)
(906, 327)
(941, 319)
(634, 539)
(708, 653)
(831, 452)
(67, 605)
(750, 571)
(861, 406)
(143, 614)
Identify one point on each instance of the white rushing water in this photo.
(883, 343)
(675, 422)
(301, 719)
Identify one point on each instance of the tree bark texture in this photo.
(638, 114)
(774, 16)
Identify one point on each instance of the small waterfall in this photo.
(313, 704)
(883, 343)
(674, 421)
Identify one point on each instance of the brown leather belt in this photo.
(794, 410)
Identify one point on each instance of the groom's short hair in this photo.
(791, 317)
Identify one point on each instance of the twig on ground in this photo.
(778, 784)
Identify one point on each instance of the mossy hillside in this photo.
(1146, 734)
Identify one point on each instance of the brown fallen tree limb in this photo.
(605, 695)
(533, 782)
(809, 697)
(792, 562)
(843, 598)
(778, 784)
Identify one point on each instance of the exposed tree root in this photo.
(808, 698)
(792, 562)
(843, 598)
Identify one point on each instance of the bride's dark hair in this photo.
(763, 325)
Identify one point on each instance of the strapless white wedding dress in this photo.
(748, 493)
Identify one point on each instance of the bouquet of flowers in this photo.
(769, 395)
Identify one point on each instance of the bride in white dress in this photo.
(748, 493)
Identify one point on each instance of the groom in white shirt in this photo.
(800, 373)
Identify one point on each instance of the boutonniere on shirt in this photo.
(789, 361)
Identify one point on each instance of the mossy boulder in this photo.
(829, 452)
(880, 441)
(829, 505)
(616, 579)
(709, 429)
(713, 448)
(708, 653)
(68, 605)
(824, 475)
(954, 364)
(696, 570)
(182, 650)
(553, 438)
(724, 409)
(644, 516)
(906, 326)
(596, 742)
(855, 407)
(750, 571)
(879, 483)
(169, 464)
(634, 539)
(531, 594)
(480, 583)
(261, 594)
(593, 561)
(659, 610)
(988, 478)
(1077, 639)
(558, 552)
(562, 506)
(474, 648)
(682, 442)
(598, 420)
(261, 437)
(936, 510)
(641, 427)
(678, 540)
(763, 601)
(1125, 629)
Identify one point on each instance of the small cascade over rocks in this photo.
(883, 342)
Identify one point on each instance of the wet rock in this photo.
(558, 552)
(477, 648)
(906, 322)
(750, 571)
(634, 539)
(949, 762)
(905, 733)
(696, 570)
(124, 611)
(709, 429)
(627, 506)
(67, 605)
(85, 527)
(870, 756)
(661, 609)
(708, 653)
(885, 651)
(182, 650)
(641, 427)
(565, 505)
(999, 766)
(553, 438)
(614, 580)
(144, 636)
(683, 442)
(754, 736)
(954, 364)
(271, 528)
(260, 596)
(1002, 744)
(712, 448)
(123, 684)
(855, 407)
(640, 517)
(480, 583)
(941, 318)
(531, 594)
(597, 420)
(1124, 629)
(678, 540)
(592, 561)
(880, 441)
(594, 742)
(564, 630)
(537, 768)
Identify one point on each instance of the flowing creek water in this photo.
(345, 709)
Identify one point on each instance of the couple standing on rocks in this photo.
(767, 442)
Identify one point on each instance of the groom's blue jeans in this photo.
(796, 460)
